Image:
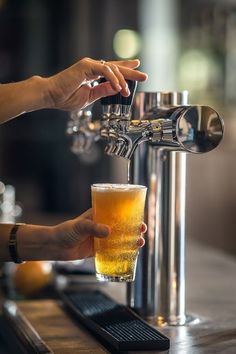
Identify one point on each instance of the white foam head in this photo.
(119, 187)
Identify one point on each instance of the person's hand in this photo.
(71, 89)
(75, 237)
(141, 240)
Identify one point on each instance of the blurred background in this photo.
(183, 45)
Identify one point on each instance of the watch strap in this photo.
(12, 244)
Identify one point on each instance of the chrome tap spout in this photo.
(156, 133)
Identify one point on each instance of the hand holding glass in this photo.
(121, 206)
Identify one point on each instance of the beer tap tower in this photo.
(156, 135)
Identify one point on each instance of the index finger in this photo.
(131, 63)
(131, 74)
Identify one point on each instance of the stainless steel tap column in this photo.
(155, 137)
(159, 288)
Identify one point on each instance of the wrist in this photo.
(23, 96)
(38, 88)
(37, 243)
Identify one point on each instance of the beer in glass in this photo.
(121, 206)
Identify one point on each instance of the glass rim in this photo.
(117, 186)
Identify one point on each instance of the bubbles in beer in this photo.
(121, 206)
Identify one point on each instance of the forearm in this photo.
(21, 97)
(34, 242)
(69, 89)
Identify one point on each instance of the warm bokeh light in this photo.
(197, 69)
(126, 43)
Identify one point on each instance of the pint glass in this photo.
(121, 206)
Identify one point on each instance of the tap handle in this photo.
(109, 100)
(127, 101)
(118, 98)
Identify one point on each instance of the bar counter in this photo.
(210, 298)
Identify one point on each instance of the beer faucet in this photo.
(156, 130)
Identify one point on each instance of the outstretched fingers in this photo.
(131, 63)
(131, 74)
(114, 71)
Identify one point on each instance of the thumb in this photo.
(85, 228)
(102, 90)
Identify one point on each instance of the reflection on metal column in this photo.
(155, 136)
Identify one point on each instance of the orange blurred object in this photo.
(31, 277)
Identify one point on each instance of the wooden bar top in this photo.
(59, 331)
(210, 296)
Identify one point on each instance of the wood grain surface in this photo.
(211, 297)
(58, 330)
